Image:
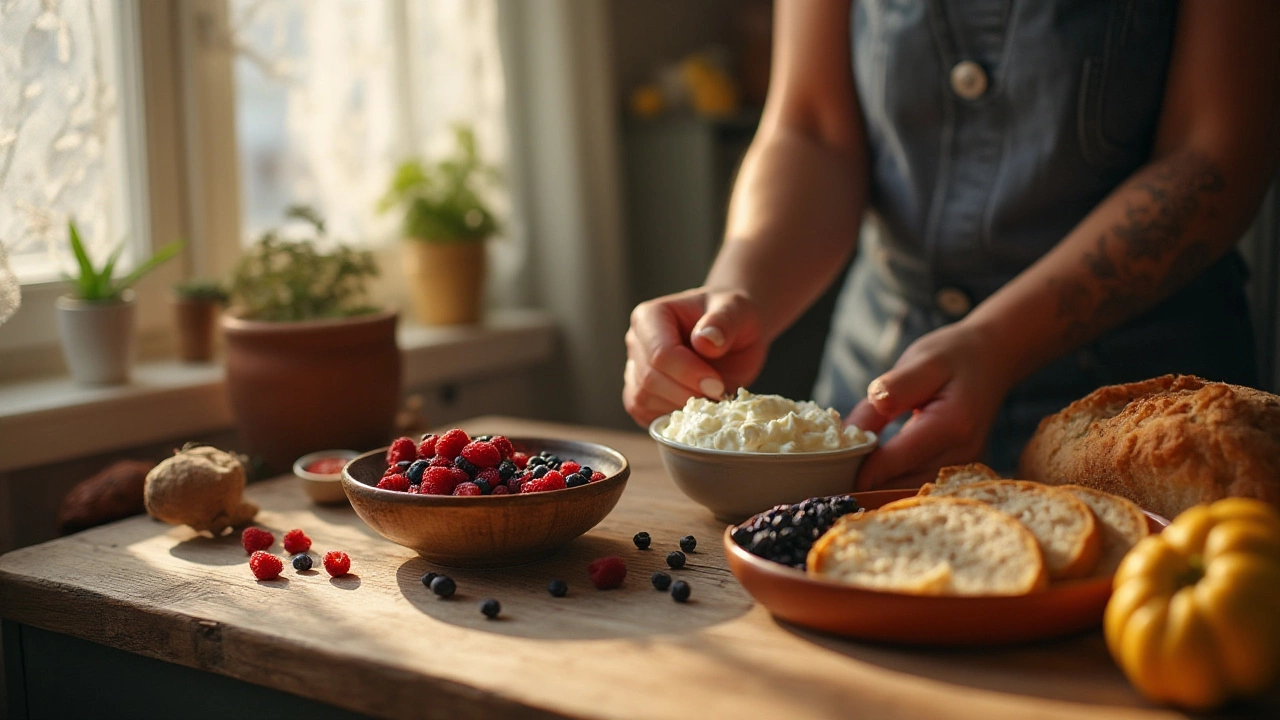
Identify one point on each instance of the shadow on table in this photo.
(585, 613)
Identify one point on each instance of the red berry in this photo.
(513, 485)
(451, 443)
(491, 476)
(337, 563)
(505, 448)
(296, 541)
(597, 476)
(520, 459)
(554, 480)
(467, 488)
(440, 461)
(459, 475)
(607, 572)
(255, 538)
(427, 447)
(500, 490)
(482, 454)
(569, 468)
(396, 482)
(438, 481)
(265, 566)
(403, 448)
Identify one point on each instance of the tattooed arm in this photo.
(1215, 151)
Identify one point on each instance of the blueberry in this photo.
(482, 438)
(557, 588)
(575, 480)
(553, 461)
(465, 466)
(540, 470)
(675, 559)
(680, 591)
(484, 486)
(426, 579)
(586, 471)
(507, 470)
(688, 543)
(641, 540)
(443, 585)
(742, 535)
(660, 580)
(414, 473)
(536, 461)
(301, 561)
(490, 608)
(403, 466)
(586, 476)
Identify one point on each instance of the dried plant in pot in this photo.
(310, 364)
(446, 222)
(196, 306)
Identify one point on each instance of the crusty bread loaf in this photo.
(931, 546)
(1166, 443)
(957, 475)
(1069, 537)
(1123, 524)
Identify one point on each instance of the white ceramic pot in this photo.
(97, 339)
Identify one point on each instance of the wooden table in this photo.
(177, 625)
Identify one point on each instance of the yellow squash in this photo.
(1195, 615)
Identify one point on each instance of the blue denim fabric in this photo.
(966, 193)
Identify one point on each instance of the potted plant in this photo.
(446, 221)
(310, 364)
(196, 304)
(96, 320)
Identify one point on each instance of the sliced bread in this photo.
(957, 475)
(1123, 524)
(931, 546)
(1064, 525)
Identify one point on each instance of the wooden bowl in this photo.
(489, 530)
(789, 594)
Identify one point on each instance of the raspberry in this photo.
(255, 538)
(396, 482)
(337, 563)
(597, 476)
(500, 490)
(459, 475)
(437, 481)
(402, 449)
(265, 566)
(569, 468)
(490, 475)
(520, 459)
(505, 448)
(427, 447)
(440, 461)
(513, 485)
(467, 488)
(482, 454)
(607, 572)
(551, 481)
(296, 541)
(451, 443)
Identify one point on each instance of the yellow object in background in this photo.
(1194, 619)
(647, 101)
(711, 91)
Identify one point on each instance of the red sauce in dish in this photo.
(326, 466)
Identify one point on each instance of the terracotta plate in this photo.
(1066, 607)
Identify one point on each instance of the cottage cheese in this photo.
(761, 423)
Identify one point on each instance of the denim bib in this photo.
(993, 127)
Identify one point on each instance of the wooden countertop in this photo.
(378, 642)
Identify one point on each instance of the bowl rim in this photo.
(860, 449)
(299, 465)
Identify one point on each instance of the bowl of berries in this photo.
(488, 501)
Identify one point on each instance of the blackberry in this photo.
(426, 579)
(660, 580)
(490, 608)
(557, 588)
(507, 469)
(675, 559)
(641, 540)
(443, 585)
(680, 591)
(414, 473)
(785, 533)
(485, 488)
(465, 466)
(688, 543)
(576, 480)
(540, 470)
(301, 562)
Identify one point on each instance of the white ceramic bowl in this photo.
(323, 488)
(736, 485)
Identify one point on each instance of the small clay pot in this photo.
(446, 281)
(196, 320)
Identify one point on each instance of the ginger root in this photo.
(199, 486)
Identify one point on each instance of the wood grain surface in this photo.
(378, 642)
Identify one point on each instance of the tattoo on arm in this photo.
(1147, 256)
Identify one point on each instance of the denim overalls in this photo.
(993, 128)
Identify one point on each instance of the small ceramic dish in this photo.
(324, 488)
(789, 594)
(489, 530)
(736, 485)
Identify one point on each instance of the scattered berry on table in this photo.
(485, 487)
(660, 580)
(505, 448)
(557, 588)
(264, 565)
(427, 578)
(482, 454)
(688, 543)
(785, 533)
(642, 540)
(396, 482)
(427, 447)
(500, 490)
(507, 470)
(450, 444)
(570, 467)
(490, 608)
(296, 541)
(467, 489)
(415, 471)
(301, 562)
(607, 572)
(675, 559)
(520, 460)
(597, 476)
(255, 538)
(680, 591)
(337, 563)
(443, 585)
(401, 449)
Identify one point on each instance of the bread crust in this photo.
(1166, 444)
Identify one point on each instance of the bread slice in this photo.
(957, 475)
(931, 546)
(1123, 525)
(1064, 526)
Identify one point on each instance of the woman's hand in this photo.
(953, 383)
(697, 342)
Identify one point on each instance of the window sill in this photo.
(49, 420)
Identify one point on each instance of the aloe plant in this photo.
(101, 285)
(442, 201)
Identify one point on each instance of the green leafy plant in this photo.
(200, 289)
(282, 280)
(101, 285)
(443, 201)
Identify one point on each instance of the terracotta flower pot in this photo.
(297, 387)
(446, 281)
(196, 321)
(97, 339)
